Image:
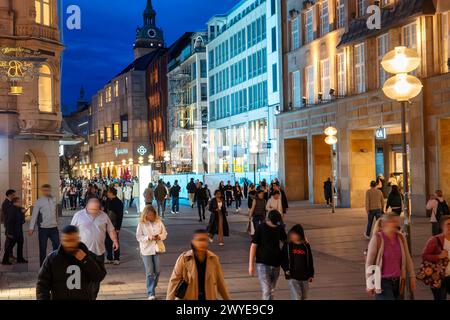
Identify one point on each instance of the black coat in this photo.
(14, 220)
(328, 189)
(213, 227)
(201, 195)
(114, 209)
(58, 270)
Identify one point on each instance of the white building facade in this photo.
(244, 89)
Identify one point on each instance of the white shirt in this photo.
(93, 230)
(127, 192)
(145, 231)
(447, 247)
(273, 204)
(119, 193)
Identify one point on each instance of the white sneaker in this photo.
(152, 298)
(172, 212)
(177, 212)
(108, 262)
(116, 262)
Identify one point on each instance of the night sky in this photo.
(104, 45)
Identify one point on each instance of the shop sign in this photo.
(142, 150)
(19, 64)
(380, 134)
(119, 152)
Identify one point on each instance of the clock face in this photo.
(152, 33)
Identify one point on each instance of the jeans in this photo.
(175, 204)
(136, 204)
(44, 234)
(443, 291)
(238, 203)
(161, 207)
(152, 270)
(372, 214)
(229, 199)
(126, 204)
(268, 277)
(201, 209)
(299, 289)
(111, 255)
(390, 289)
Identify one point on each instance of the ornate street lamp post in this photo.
(332, 140)
(402, 87)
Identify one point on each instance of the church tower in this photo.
(149, 37)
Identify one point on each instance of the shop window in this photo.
(45, 89)
(108, 131)
(295, 33)
(325, 23)
(108, 94)
(360, 69)
(116, 88)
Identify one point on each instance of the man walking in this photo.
(114, 209)
(374, 206)
(14, 219)
(45, 217)
(160, 195)
(10, 195)
(127, 191)
(71, 272)
(93, 225)
(201, 199)
(175, 194)
(328, 192)
(191, 188)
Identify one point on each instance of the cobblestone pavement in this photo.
(336, 239)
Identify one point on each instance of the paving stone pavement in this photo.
(336, 239)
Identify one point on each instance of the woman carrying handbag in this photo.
(218, 223)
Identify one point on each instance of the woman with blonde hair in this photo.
(388, 251)
(150, 234)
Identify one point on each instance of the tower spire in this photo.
(149, 14)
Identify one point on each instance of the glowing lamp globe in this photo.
(330, 131)
(331, 140)
(401, 60)
(402, 87)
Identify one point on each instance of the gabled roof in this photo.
(403, 12)
(142, 63)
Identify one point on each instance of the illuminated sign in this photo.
(19, 64)
(380, 134)
(119, 152)
(142, 150)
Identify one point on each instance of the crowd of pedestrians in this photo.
(76, 266)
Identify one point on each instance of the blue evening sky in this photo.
(103, 46)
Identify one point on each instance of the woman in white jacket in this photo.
(150, 234)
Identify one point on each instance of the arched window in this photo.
(45, 89)
(43, 12)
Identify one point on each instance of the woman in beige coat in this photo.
(200, 271)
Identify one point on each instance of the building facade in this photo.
(30, 110)
(244, 88)
(123, 113)
(188, 107)
(333, 76)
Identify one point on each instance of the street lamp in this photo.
(402, 87)
(254, 150)
(332, 140)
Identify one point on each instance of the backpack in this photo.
(442, 210)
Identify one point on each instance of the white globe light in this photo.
(401, 60)
(402, 87)
(330, 131)
(331, 140)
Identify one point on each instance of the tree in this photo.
(69, 160)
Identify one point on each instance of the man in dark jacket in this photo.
(201, 198)
(175, 195)
(328, 191)
(71, 272)
(161, 196)
(191, 188)
(114, 210)
(14, 220)
(10, 194)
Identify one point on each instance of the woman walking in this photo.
(298, 264)
(258, 211)
(150, 234)
(395, 201)
(437, 251)
(388, 251)
(218, 223)
(237, 195)
(149, 195)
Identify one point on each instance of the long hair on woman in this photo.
(148, 209)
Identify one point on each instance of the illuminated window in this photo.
(360, 68)
(116, 88)
(409, 36)
(43, 12)
(124, 128)
(101, 136)
(295, 38)
(382, 48)
(45, 89)
(340, 11)
(108, 94)
(341, 74)
(325, 23)
(309, 74)
(325, 78)
(446, 38)
(296, 94)
(309, 31)
(100, 99)
(108, 134)
(361, 8)
(116, 130)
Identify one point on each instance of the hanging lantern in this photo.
(331, 140)
(15, 90)
(330, 131)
